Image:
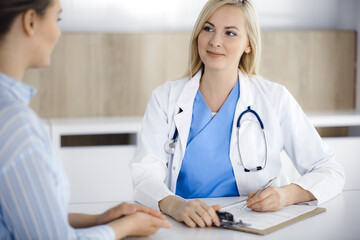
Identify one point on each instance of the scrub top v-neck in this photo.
(206, 170)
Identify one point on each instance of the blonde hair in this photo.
(249, 62)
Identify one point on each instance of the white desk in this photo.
(340, 221)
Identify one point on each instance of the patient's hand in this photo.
(138, 224)
(125, 209)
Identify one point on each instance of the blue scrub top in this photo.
(206, 170)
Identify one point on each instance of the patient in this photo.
(34, 191)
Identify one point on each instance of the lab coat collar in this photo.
(186, 99)
(246, 96)
(183, 115)
(187, 96)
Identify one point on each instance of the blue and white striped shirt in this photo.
(34, 191)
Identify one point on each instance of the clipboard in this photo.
(273, 228)
(279, 226)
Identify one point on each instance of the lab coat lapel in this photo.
(245, 100)
(246, 96)
(185, 103)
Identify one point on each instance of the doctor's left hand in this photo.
(125, 209)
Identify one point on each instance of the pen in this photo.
(268, 184)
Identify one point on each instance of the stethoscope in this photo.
(260, 167)
(171, 144)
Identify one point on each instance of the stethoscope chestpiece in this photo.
(258, 168)
(170, 146)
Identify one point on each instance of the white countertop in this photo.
(113, 124)
(340, 118)
(94, 125)
(340, 221)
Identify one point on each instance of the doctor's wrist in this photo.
(169, 204)
(296, 194)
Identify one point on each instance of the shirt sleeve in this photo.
(31, 204)
(315, 161)
(148, 168)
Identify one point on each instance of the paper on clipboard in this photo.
(265, 222)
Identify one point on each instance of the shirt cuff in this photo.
(103, 232)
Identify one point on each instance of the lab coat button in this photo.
(239, 163)
(174, 168)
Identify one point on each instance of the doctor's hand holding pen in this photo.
(274, 199)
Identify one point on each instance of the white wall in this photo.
(180, 15)
(358, 58)
(130, 16)
(306, 14)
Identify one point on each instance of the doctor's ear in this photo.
(248, 49)
(29, 19)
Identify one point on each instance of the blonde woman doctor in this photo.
(220, 131)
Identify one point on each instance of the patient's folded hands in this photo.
(125, 209)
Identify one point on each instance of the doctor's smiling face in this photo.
(223, 39)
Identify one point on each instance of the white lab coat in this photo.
(155, 172)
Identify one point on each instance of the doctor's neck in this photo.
(218, 82)
(215, 86)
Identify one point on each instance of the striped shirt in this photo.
(34, 191)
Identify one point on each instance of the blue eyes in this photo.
(231, 34)
(227, 33)
(208, 29)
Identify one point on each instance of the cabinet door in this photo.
(98, 174)
(347, 150)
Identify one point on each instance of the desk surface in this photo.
(340, 221)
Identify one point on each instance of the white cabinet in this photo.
(102, 174)
(347, 150)
(96, 173)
